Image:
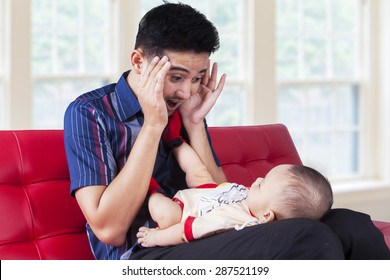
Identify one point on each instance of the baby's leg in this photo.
(150, 237)
(196, 172)
(164, 211)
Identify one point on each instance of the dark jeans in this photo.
(342, 234)
(361, 239)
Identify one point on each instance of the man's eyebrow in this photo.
(178, 68)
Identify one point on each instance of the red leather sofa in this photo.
(40, 220)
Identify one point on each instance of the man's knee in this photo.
(360, 238)
(307, 239)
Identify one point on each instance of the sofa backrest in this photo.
(40, 220)
(38, 217)
(249, 152)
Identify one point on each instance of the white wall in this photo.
(375, 202)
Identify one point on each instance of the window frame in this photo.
(18, 97)
(374, 161)
(328, 82)
(261, 101)
(2, 63)
(80, 75)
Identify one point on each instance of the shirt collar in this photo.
(128, 104)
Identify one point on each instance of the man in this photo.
(116, 157)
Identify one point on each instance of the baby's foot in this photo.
(154, 187)
(146, 236)
(171, 135)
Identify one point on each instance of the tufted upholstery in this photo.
(40, 220)
(249, 152)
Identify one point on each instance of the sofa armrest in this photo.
(384, 227)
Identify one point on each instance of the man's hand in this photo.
(194, 110)
(150, 91)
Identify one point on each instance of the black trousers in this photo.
(342, 234)
(360, 238)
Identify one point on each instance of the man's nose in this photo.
(185, 91)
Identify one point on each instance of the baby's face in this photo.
(264, 191)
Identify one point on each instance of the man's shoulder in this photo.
(97, 94)
(90, 100)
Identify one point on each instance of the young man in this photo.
(112, 141)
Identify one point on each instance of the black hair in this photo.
(176, 27)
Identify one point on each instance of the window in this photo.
(2, 63)
(71, 54)
(334, 110)
(228, 17)
(320, 81)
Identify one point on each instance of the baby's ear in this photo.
(267, 216)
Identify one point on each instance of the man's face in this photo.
(184, 77)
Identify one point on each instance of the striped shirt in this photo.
(100, 128)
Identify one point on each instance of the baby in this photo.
(287, 191)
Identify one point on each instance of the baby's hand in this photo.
(146, 236)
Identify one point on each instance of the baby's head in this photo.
(290, 191)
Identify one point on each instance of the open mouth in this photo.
(172, 104)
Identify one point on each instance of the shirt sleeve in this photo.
(88, 151)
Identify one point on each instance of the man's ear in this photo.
(137, 59)
(267, 216)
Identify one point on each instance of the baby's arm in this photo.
(151, 237)
(189, 161)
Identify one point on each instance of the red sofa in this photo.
(40, 220)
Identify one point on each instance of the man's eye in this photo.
(196, 80)
(175, 78)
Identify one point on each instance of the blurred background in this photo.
(320, 67)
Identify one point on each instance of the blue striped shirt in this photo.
(100, 128)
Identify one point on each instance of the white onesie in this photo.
(207, 211)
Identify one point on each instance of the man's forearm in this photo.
(111, 210)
